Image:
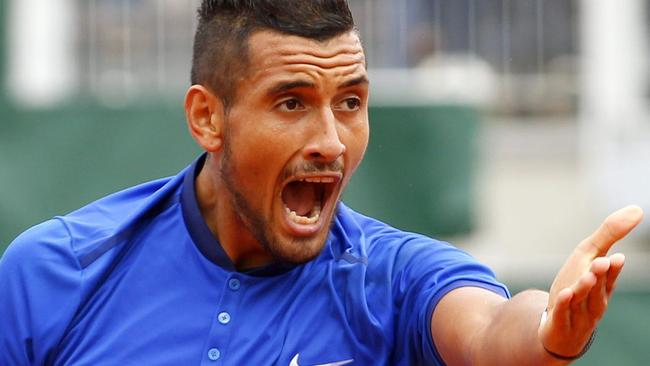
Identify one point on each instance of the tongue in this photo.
(300, 197)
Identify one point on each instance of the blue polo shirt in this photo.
(137, 278)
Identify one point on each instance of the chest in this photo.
(187, 318)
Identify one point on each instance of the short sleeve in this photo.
(40, 280)
(425, 271)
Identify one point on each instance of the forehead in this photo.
(272, 53)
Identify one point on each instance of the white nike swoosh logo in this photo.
(294, 362)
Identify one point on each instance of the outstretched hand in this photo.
(581, 290)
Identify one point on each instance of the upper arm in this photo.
(424, 274)
(459, 319)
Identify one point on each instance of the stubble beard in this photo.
(290, 251)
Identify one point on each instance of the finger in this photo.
(617, 261)
(597, 297)
(615, 227)
(600, 266)
(561, 313)
(581, 289)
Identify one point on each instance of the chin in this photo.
(297, 250)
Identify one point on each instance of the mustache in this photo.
(310, 167)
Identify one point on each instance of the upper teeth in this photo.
(318, 180)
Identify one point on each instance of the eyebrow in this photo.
(361, 80)
(285, 86)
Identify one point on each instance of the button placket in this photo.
(220, 333)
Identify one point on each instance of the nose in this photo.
(325, 144)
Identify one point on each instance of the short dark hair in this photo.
(224, 27)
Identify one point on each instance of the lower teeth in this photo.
(303, 220)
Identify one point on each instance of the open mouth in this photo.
(307, 197)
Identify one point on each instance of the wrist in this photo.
(563, 357)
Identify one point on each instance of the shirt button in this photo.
(214, 354)
(234, 284)
(224, 318)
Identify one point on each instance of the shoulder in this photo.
(378, 239)
(48, 271)
(66, 239)
(97, 228)
(116, 207)
(39, 263)
(406, 257)
(46, 244)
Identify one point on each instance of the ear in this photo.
(205, 114)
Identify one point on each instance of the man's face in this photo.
(295, 134)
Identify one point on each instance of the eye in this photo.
(349, 104)
(291, 105)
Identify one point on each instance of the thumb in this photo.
(615, 227)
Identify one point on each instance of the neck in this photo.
(224, 222)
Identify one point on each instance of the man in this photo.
(247, 257)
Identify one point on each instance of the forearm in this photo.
(511, 338)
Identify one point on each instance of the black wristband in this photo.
(573, 358)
